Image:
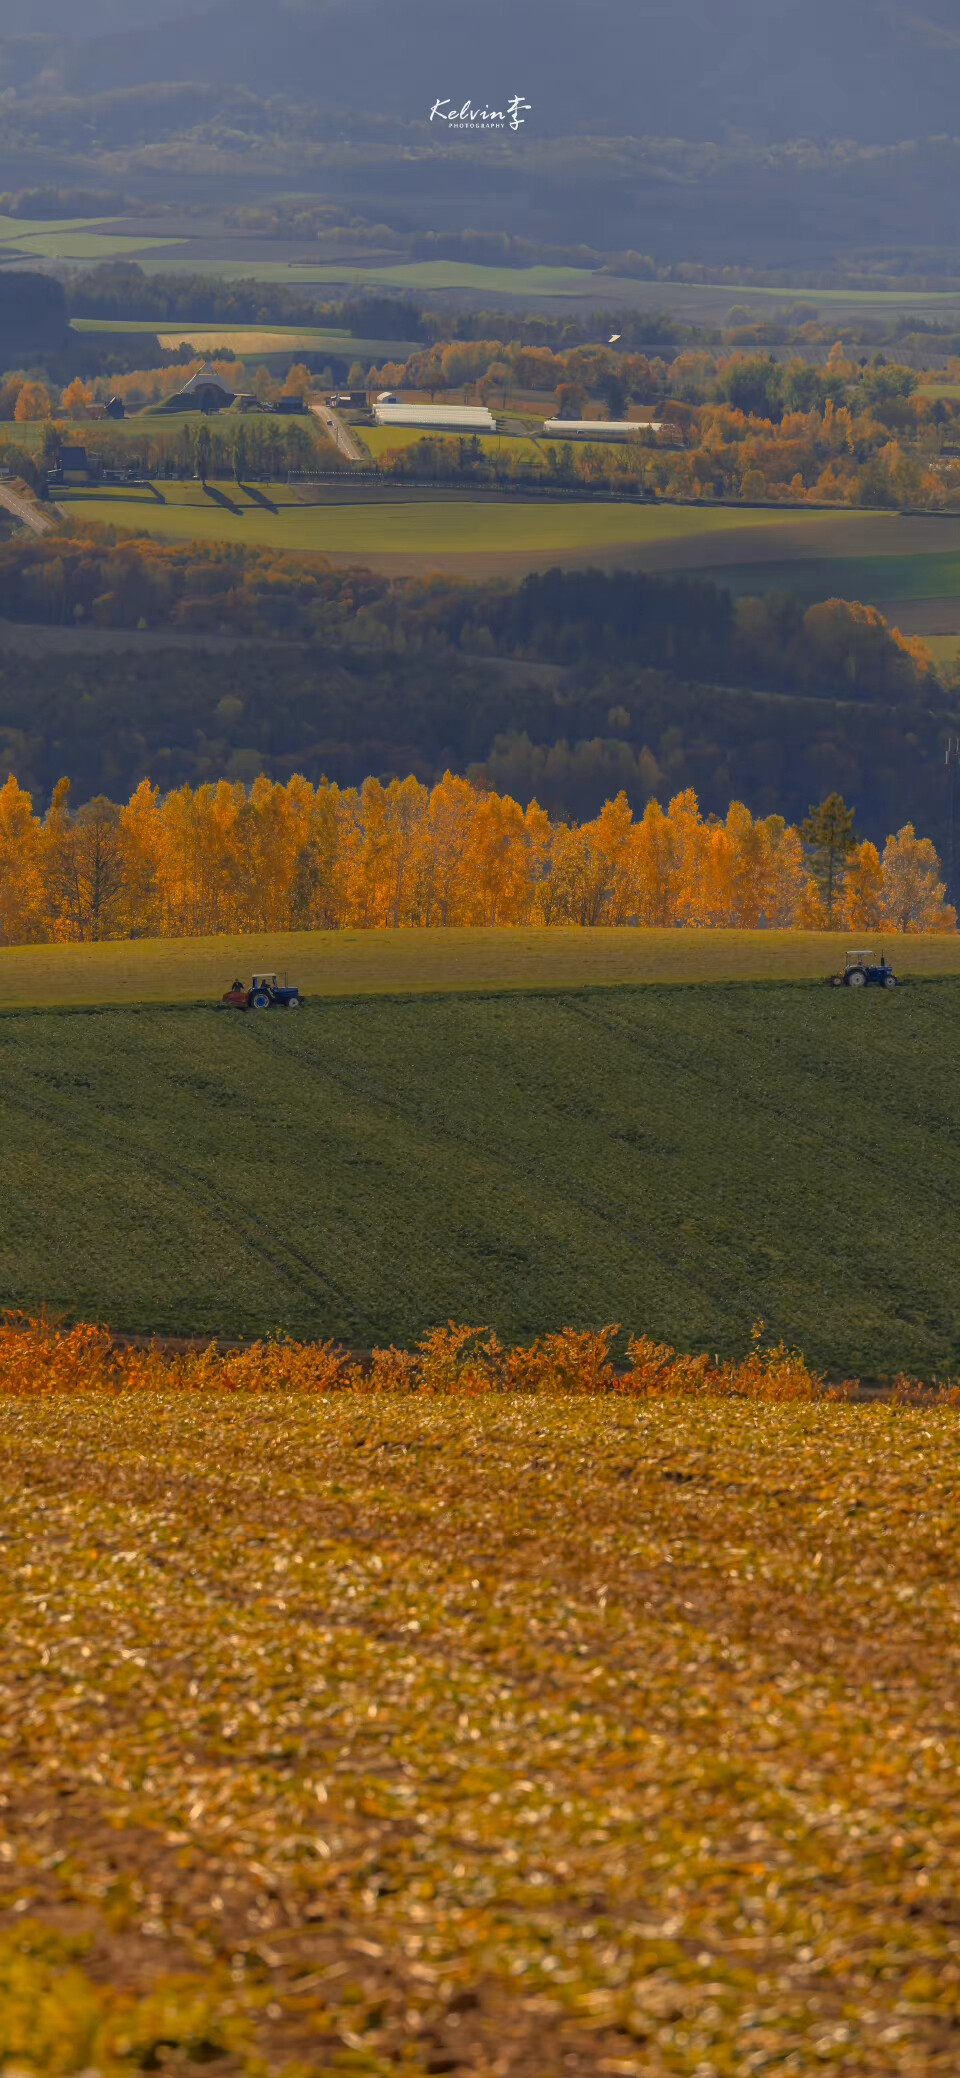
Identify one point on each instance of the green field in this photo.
(81, 239)
(446, 526)
(353, 963)
(918, 593)
(679, 1160)
(529, 285)
(945, 650)
(524, 283)
(15, 230)
(74, 238)
(877, 579)
(381, 438)
(138, 426)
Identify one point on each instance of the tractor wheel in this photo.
(889, 981)
(854, 980)
(261, 1000)
(293, 1002)
(836, 981)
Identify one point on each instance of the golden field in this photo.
(537, 1731)
(348, 963)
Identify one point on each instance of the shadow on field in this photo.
(258, 497)
(220, 498)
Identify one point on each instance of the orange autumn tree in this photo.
(33, 402)
(913, 891)
(863, 903)
(76, 399)
(21, 875)
(225, 857)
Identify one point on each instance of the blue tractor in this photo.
(864, 970)
(265, 993)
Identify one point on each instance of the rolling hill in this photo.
(682, 1159)
(694, 68)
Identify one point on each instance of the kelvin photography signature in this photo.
(470, 118)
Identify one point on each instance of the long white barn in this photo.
(438, 418)
(598, 428)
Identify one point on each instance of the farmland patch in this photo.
(493, 535)
(431, 961)
(302, 1690)
(683, 1161)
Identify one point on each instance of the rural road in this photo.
(29, 511)
(338, 432)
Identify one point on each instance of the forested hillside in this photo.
(109, 720)
(695, 69)
(565, 688)
(796, 137)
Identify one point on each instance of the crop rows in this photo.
(532, 1733)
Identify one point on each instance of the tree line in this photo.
(687, 625)
(739, 426)
(225, 857)
(732, 424)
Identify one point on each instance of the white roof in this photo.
(463, 418)
(599, 428)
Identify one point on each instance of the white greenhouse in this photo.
(436, 418)
(598, 428)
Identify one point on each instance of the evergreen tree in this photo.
(828, 835)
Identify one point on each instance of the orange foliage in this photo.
(222, 857)
(33, 402)
(77, 398)
(37, 1356)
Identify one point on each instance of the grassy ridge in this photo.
(877, 579)
(413, 528)
(64, 244)
(404, 525)
(528, 285)
(680, 1160)
(349, 963)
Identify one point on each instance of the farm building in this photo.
(598, 428)
(75, 464)
(436, 418)
(205, 391)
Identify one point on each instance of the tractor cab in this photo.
(862, 969)
(264, 993)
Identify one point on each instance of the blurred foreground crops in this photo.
(546, 1729)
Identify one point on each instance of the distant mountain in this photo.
(874, 71)
(80, 23)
